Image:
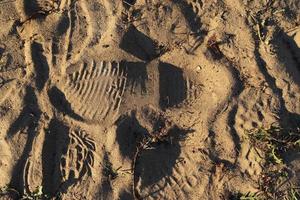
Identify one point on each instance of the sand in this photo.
(147, 99)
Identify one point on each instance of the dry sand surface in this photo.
(150, 99)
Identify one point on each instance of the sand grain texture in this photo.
(144, 99)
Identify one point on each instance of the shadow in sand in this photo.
(287, 118)
(136, 76)
(30, 7)
(58, 43)
(40, 65)
(128, 3)
(106, 190)
(27, 120)
(59, 101)
(155, 162)
(158, 161)
(292, 158)
(1, 51)
(129, 134)
(288, 54)
(59, 171)
(126, 195)
(234, 134)
(290, 120)
(191, 17)
(139, 45)
(172, 85)
(36, 9)
(30, 113)
(213, 155)
(109, 175)
(55, 144)
(194, 23)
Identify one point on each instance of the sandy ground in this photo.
(149, 99)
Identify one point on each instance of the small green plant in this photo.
(261, 19)
(110, 172)
(275, 141)
(3, 190)
(272, 157)
(3, 60)
(249, 196)
(244, 196)
(293, 194)
(271, 183)
(36, 195)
